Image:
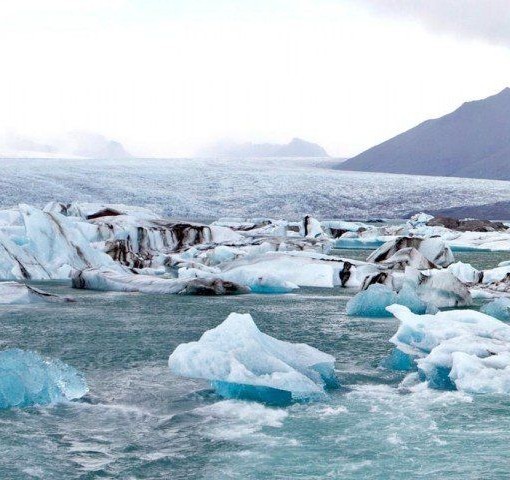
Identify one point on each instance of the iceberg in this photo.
(464, 350)
(56, 243)
(465, 272)
(439, 288)
(373, 301)
(241, 362)
(13, 292)
(311, 227)
(499, 308)
(108, 280)
(434, 249)
(28, 379)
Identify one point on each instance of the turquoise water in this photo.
(140, 422)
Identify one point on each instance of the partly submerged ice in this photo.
(373, 301)
(243, 363)
(28, 379)
(499, 308)
(464, 350)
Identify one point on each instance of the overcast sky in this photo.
(166, 77)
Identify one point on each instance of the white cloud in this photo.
(480, 19)
(164, 78)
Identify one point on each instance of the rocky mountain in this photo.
(473, 141)
(295, 148)
(69, 145)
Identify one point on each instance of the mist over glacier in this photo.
(211, 188)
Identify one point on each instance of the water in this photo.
(209, 188)
(140, 422)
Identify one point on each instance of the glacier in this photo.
(28, 379)
(242, 362)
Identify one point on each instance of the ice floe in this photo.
(13, 292)
(243, 363)
(28, 379)
(108, 280)
(463, 349)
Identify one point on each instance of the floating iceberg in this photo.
(499, 308)
(13, 292)
(464, 350)
(465, 272)
(107, 280)
(433, 249)
(242, 362)
(373, 301)
(439, 288)
(28, 379)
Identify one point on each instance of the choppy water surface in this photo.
(140, 422)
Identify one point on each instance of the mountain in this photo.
(70, 145)
(296, 148)
(473, 141)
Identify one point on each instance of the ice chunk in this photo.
(433, 249)
(440, 288)
(28, 379)
(18, 264)
(259, 283)
(13, 292)
(311, 227)
(107, 280)
(463, 349)
(420, 219)
(58, 245)
(373, 301)
(465, 272)
(499, 308)
(242, 362)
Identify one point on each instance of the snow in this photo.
(244, 363)
(463, 349)
(28, 379)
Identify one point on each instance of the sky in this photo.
(167, 77)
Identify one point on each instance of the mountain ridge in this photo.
(472, 141)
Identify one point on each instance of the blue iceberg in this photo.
(241, 362)
(373, 301)
(499, 308)
(28, 379)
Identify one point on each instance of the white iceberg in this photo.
(111, 281)
(15, 293)
(28, 379)
(464, 349)
(242, 362)
(465, 272)
(433, 249)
